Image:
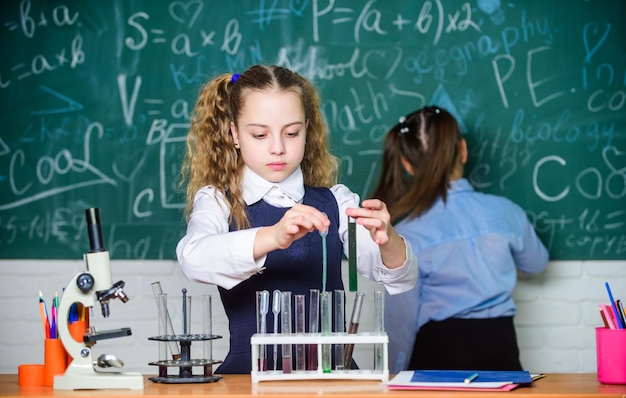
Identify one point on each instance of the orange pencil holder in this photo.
(54, 360)
(30, 375)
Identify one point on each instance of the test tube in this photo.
(327, 320)
(165, 320)
(314, 326)
(162, 307)
(207, 329)
(379, 327)
(300, 329)
(353, 328)
(352, 267)
(340, 326)
(262, 307)
(276, 311)
(185, 346)
(186, 312)
(323, 235)
(285, 323)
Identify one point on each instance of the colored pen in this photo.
(73, 313)
(620, 311)
(53, 323)
(470, 378)
(608, 314)
(55, 307)
(618, 321)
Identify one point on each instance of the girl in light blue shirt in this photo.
(469, 246)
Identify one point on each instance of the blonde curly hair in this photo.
(211, 157)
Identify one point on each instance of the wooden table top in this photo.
(561, 385)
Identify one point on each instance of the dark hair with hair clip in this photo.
(428, 141)
(404, 128)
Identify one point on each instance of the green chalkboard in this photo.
(96, 97)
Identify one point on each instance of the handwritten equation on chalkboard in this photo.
(96, 103)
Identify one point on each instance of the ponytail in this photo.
(428, 140)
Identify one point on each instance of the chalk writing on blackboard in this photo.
(97, 100)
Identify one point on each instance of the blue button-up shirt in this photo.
(469, 250)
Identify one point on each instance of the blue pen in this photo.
(618, 319)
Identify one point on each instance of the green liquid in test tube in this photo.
(352, 271)
(327, 316)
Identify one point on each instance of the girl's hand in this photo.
(376, 218)
(297, 222)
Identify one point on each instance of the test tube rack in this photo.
(185, 364)
(269, 339)
(179, 345)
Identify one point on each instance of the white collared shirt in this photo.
(209, 253)
(284, 194)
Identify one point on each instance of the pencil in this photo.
(604, 320)
(44, 316)
(608, 314)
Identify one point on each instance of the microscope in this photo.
(83, 372)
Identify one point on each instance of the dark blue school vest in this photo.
(296, 269)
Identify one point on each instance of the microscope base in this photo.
(81, 378)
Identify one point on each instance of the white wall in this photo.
(557, 312)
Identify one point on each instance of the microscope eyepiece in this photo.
(94, 229)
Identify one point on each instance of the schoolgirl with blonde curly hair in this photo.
(261, 197)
